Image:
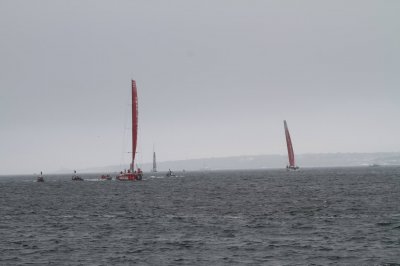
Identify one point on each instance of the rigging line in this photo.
(139, 148)
(122, 162)
(140, 145)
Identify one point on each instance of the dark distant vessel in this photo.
(170, 173)
(292, 165)
(374, 165)
(40, 178)
(75, 177)
(131, 174)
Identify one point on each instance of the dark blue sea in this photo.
(320, 216)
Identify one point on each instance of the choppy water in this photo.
(347, 216)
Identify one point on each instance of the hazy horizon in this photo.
(214, 78)
(243, 162)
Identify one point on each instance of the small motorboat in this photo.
(170, 173)
(40, 178)
(374, 165)
(75, 177)
(106, 177)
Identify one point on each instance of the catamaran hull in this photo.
(129, 177)
(292, 168)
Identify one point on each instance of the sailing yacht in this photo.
(292, 165)
(132, 174)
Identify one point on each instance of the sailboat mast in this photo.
(134, 122)
(289, 145)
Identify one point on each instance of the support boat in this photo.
(75, 177)
(40, 178)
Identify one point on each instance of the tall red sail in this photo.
(134, 122)
(289, 146)
(131, 174)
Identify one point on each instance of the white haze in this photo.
(215, 78)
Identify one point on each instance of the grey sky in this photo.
(215, 78)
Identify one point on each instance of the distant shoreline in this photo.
(253, 162)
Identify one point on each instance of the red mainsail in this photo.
(289, 146)
(131, 174)
(134, 123)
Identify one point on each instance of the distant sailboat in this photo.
(154, 162)
(292, 164)
(40, 178)
(131, 174)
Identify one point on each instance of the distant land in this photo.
(268, 162)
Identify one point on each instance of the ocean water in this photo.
(325, 216)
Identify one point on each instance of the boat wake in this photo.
(155, 177)
(95, 180)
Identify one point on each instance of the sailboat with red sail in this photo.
(132, 174)
(292, 164)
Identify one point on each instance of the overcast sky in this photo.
(215, 78)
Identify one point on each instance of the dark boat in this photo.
(106, 177)
(75, 177)
(170, 173)
(40, 178)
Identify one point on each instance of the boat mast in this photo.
(134, 123)
(289, 145)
